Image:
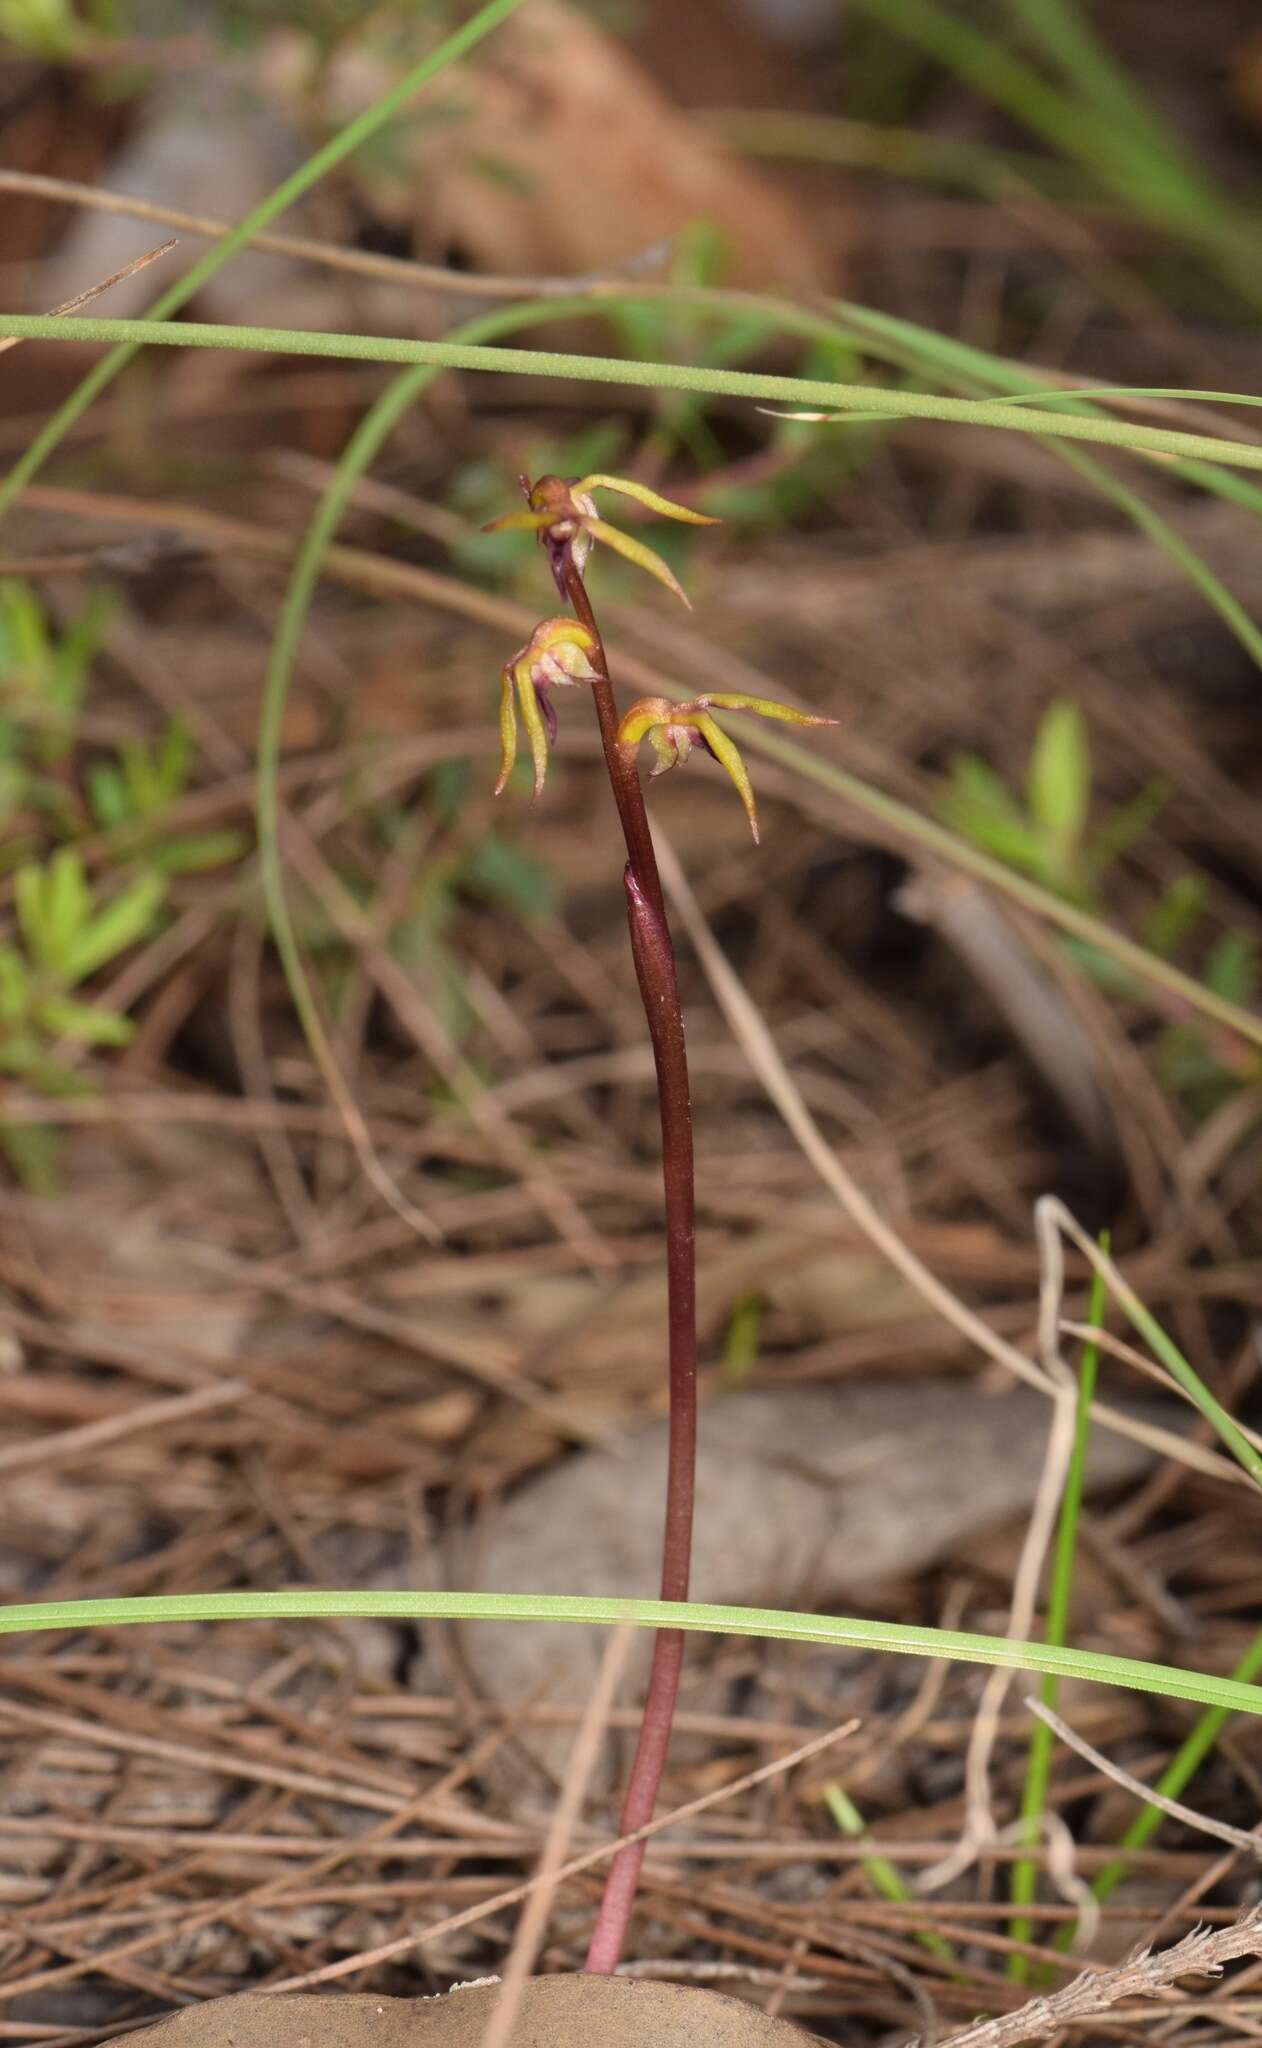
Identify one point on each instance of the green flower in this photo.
(556, 652)
(673, 730)
(563, 514)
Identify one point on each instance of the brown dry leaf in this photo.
(556, 2012)
(569, 160)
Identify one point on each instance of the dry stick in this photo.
(534, 1919)
(65, 1444)
(1239, 1838)
(384, 1834)
(368, 1958)
(1142, 1976)
(979, 1826)
(401, 270)
(1117, 1347)
(434, 1042)
(654, 957)
(94, 291)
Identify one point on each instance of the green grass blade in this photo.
(1130, 437)
(928, 354)
(1182, 1766)
(1075, 394)
(925, 352)
(1151, 182)
(1038, 1771)
(1171, 542)
(357, 457)
(348, 139)
(934, 838)
(1071, 42)
(1168, 1681)
(1165, 1348)
(886, 1879)
(1052, 1220)
(949, 160)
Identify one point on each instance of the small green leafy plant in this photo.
(43, 677)
(132, 795)
(466, 865)
(66, 932)
(1205, 1065)
(1046, 831)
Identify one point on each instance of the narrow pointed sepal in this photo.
(762, 707)
(536, 732)
(727, 754)
(559, 651)
(653, 501)
(673, 730)
(508, 730)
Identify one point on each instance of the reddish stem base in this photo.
(654, 957)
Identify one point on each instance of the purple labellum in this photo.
(549, 713)
(558, 553)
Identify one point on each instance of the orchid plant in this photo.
(568, 651)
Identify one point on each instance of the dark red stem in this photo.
(654, 957)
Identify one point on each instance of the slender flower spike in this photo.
(556, 652)
(673, 730)
(562, 511)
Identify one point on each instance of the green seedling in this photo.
(42, 676)
(1047, 835)
(132, 796)
(742, 1339)
(886, 1878)
(1204, 1065)
(65, 934)
(1046, 831)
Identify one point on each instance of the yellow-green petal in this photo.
(764, 707)
(723, 750)
(532, 719)
(569, 642)
(652, 500)
(643, 715)
(518, 522)
(508, 730)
